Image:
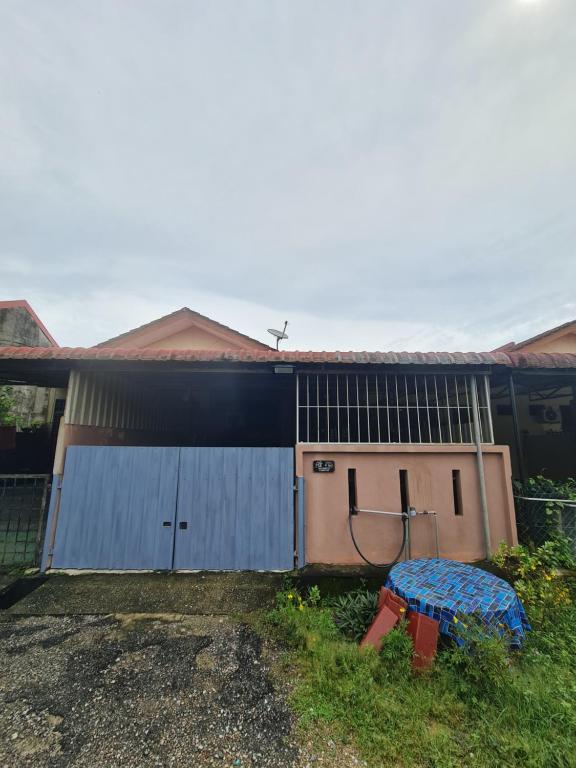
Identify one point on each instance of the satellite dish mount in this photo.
(279, 335)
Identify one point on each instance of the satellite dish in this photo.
(279, 335)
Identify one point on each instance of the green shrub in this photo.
(7, 406)
(354, 611)
(481, 665)
(532, 572)
(299, 624)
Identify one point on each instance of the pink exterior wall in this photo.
(193, 338)
(565, 342)
(430, 487)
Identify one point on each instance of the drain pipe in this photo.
(480, 468)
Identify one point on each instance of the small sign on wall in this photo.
(323, 465)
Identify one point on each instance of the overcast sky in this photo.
(396, 174)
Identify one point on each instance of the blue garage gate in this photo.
(176, 508)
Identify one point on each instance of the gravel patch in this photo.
(145, 691)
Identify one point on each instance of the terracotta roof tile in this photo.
(510, 359)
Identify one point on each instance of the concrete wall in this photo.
(19, 329)
(430, 488)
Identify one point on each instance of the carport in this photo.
(199, 459)
(160, 466)
(172, 470)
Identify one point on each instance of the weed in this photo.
(354, 611)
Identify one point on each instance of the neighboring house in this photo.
(20, 326)
(188, 445)
(562, 338)
(544, 431)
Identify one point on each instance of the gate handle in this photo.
(183, 526)
(166, 524)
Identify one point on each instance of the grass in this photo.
(475, 709)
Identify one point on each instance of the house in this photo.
(188, 445)
(536, 414)
(20, 326)
(562, 338)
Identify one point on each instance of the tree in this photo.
(7, 416)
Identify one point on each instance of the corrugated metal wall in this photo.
(113, 401)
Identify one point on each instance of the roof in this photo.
(188, 317)
(512, 345)
(23, 304)
(508, 359)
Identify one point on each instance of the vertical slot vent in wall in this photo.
(404, 490)
(457, 492)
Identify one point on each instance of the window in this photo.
(391, 408)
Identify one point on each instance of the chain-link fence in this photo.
(538, 519)
(22, 505)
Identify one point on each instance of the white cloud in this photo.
(379, 174)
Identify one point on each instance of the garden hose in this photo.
(353, 511)
(380, 565)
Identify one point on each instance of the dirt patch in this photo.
(156, 691)
(153, 593)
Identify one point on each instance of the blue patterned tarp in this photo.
(449, 592)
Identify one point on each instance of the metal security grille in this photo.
(391, 408)
(22, 500)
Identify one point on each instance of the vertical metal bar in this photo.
(407, 408)
(307, 408)
(458, 408)
(480, 469)
(448, 408)
(358, 406)
(338, 404)
(489, 407)
(516, 424)
(398, 408)
(367, 408)
(376, 384)
(317, 407)
(348, 405)
(417, 410)
(387, 408)
(438, 411)
(468, 413)
(300, 523)
(297, 408)
(427, 408)
(327, 409)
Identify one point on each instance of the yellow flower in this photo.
(290, 596)
(300, 607)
